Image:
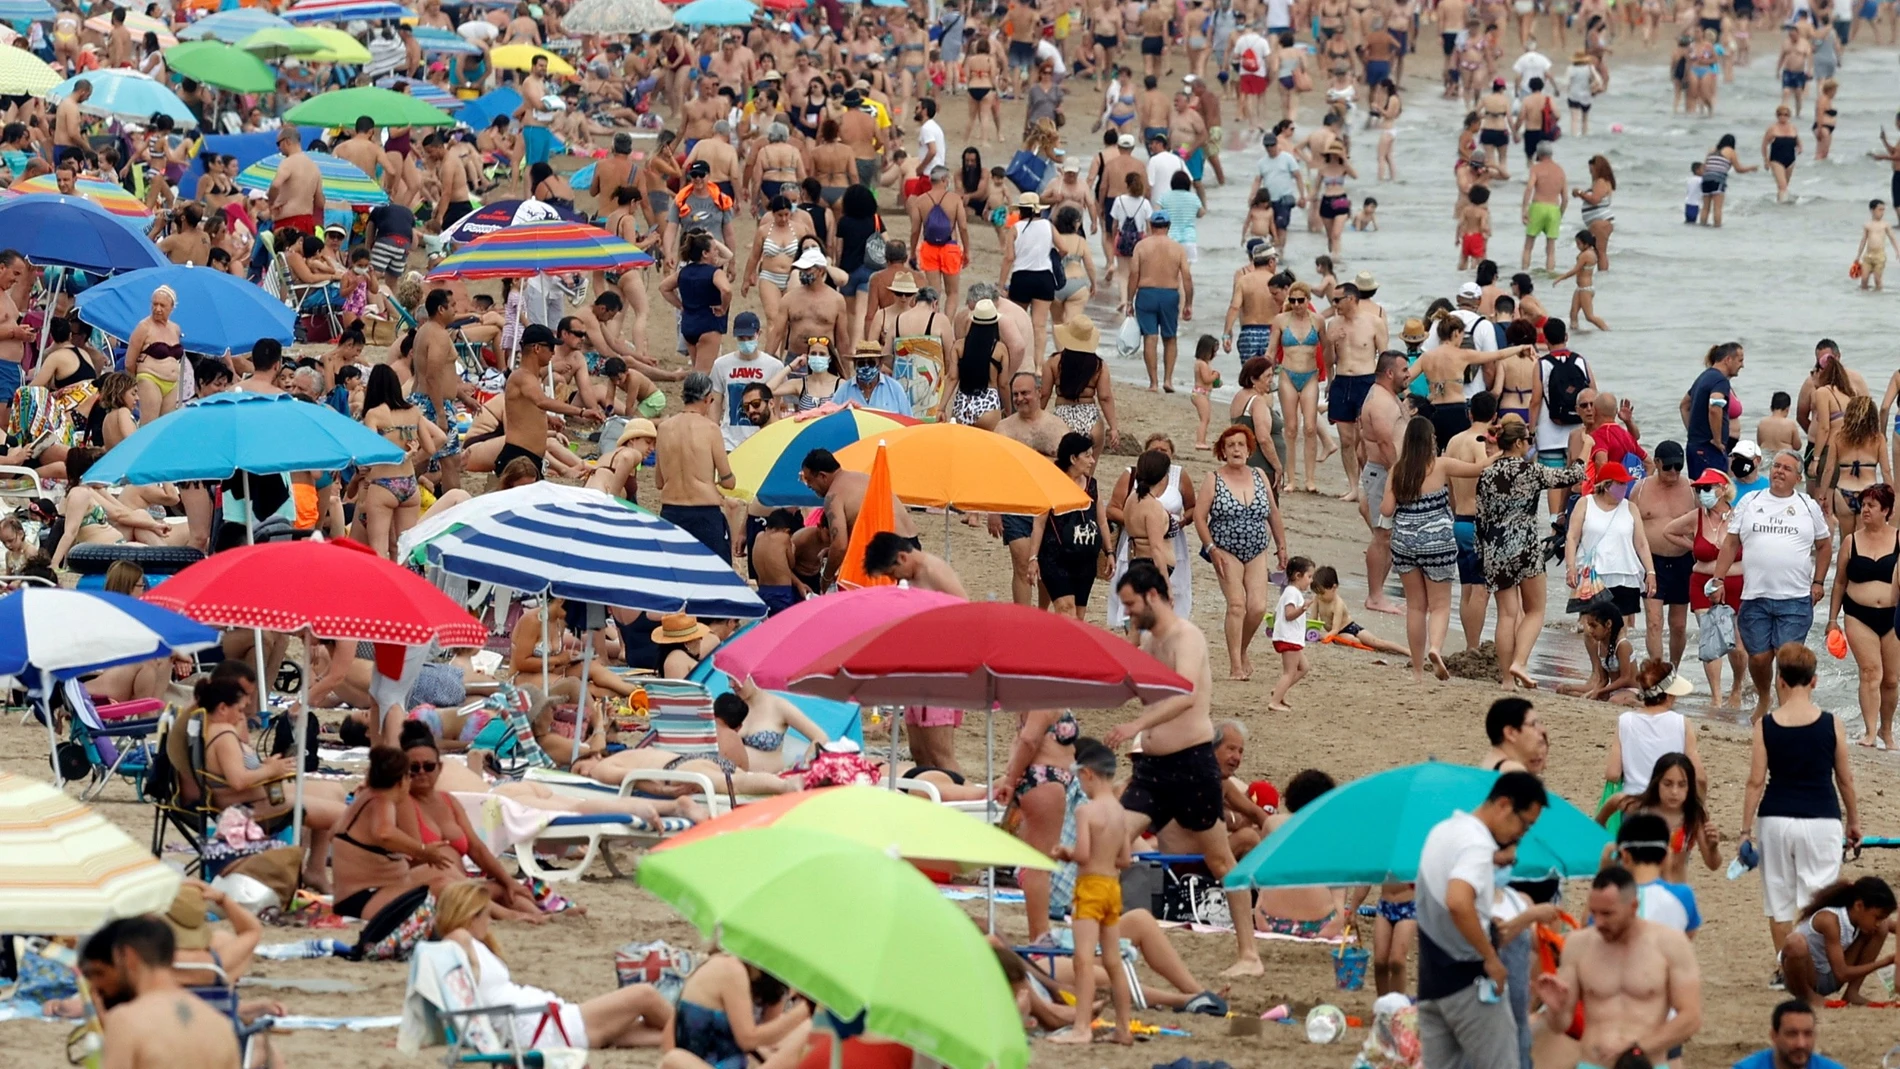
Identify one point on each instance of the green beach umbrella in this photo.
(217, 64)
(1371, 830)
(276, 42)
(384, 107)
(854, 928)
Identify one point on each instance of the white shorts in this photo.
(1799, 857)
(551, 1034)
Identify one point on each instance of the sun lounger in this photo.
(439, 1008)
(505, 826)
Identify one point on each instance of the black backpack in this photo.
(1568, 378)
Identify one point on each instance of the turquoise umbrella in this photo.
(1371, 830)
(717, 13)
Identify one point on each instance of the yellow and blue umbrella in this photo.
(765, 466)
(541, 249)
(343, 182)
(113, 198)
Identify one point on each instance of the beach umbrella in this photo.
(437, 41)
(336, 46)
(503, 214)
(758, 891)
(765, 466)
(427, 92)
(342, 107)
(1372, 829)
(221, 65)
(771, 651)
(66, 870)
(876, 516)
(440, 521)
(107, 195)
(216, 311)
(276, 42)
(521, 57)
(541, 249)
(717, 13)
(138, 25)
(218, 436)
(617, 17)
(26, 11)
(126, 95)
(49, 634)
(24, 74)
(343, 182)
(911, 827)
(341, 11)
(231, 26)
(948, 465)
(75, 232)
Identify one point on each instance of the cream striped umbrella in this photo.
(66, 870)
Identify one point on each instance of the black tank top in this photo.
(1800, 770)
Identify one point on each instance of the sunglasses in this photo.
(817, 341)
(1671, 467)
(423, 768)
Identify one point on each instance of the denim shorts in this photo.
(1767, 624)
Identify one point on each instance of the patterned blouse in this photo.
(1510, 544)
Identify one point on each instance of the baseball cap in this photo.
(1746, 448)
(1470, 291)
(1159, 218)
(699, 169)
(1414, 330)
(1710, 477)
(1612, 472)
(1669, 455)
(810, 258)
(1072, 167)
(536, 334)
(745, 325)
(1125, 141)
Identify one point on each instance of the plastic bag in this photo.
(1128, 338)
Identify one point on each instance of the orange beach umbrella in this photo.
(939, 465)
(875, 515)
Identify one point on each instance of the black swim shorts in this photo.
(1183, 788)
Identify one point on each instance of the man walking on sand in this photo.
(1160, 296)
(1378, 429)
(1176, 776)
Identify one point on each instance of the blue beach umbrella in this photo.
(25, 11)
(437, 41)
(75, 232)
(264, 434)
(215, 312)
(717, 13)
(233, 26)
(126, 95)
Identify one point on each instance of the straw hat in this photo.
(678, 629)
(1029, 200)
(903, 282)
(637, 428)
(984, 312)
(1078, 333)
(187, 919)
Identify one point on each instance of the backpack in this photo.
(938, 230)
(1128, 236)
(1567, 379)
(1552, 128)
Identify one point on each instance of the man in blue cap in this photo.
(735, 371)
(1160, 295)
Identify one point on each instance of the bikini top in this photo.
(773, 248)
(161, 351)
(1287, 337)
(1864, 569)
(428, 834)
(764, 741)
(82, 373)
(346, 837)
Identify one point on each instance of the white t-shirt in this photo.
(1460, 848)
(732, 373)
(932, 134)
(1778, 536)
(1047, 52)
(1162, 169)
(1128, 206)
(1279, 14)
(1289, 619)
(1531, 65)
(1655, 903)
(1252, 51)
(1692, 194)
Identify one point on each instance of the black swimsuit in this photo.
(1864, 569)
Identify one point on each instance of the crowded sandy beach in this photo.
(795, 529)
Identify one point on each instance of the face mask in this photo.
(867, 374)
(807, 277)
(1705, 498)
(748, 346)
(818, 365)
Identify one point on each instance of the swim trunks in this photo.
(1098, 898)
(1183, 787)
(1545, 219)
(704, 522)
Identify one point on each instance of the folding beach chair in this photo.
(207, 981)
(507, 826)
(439, 1009)
(181, 793)
(116, 739)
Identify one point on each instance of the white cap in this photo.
(1746, 448)
(1470, 291)
(810, 258)
(1072, 167)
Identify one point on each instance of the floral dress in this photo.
(1510, 542)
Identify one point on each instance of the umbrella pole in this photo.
(546, 647)
(52, 303)
(897, 721)
(303, 718)
(52, 737)
(580, 709)
(257, 634)
(946, 534)
(989, 804)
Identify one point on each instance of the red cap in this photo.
(1710, 477)
(1612, 472)
(1264, 795)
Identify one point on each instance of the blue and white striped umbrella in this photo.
(233, 26)
(45, 631)
(435, 41)
(342, 11)
(427, 92)
(600, 552)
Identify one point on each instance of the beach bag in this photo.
(1716, 635)
(658, 963)
(1128, 338)
(1568, 378)
(1027, 171)
(938, 229)
(396, 928)
(1552, 128)
(1194, 898)
(277, 869)
(1589, 583)
(875, 250)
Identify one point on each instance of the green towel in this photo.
(1611, 788)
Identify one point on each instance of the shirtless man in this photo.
(1546, 195)
(1638, 980)
(1160, 296)
(1187, 132)
(451, 180)
(537, 139)
(1355, 336)
(1209, 106)
(1151, 111)
(151, 1021)
(1176, 778)
(734, 63)
(1247, 823)
(898, 557)
(524, 415)
(436, 383)
(1377, 436)
(693, 466)
(843, 492)
(702, 112)
(614, 171)
(1254, 306)
(1042, 431)
(1664, 496)
(1472, 444)
(722, 160)
(15, 280)
(1154, 38)
(118, 41)
(69, 137)
(362, 149)
(857, 127)
(296, 191)
(812, 309)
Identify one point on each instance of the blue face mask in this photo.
(748, 346)
(867, 374)
(818, 365)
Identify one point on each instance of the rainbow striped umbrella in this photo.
(112, 198)
(343, 182)
(136, 24)
(66, 870)
(541, 249)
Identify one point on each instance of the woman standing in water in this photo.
(1780, 144)
(1721, 162)
(1597, 216)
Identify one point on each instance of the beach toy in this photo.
(1278, 1013)
(1616, 127)
(1349, 967)
(1854, 269)
(1836, 641)
(1325, 1024)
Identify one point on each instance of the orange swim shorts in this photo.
(944, 259)
(1098, 898)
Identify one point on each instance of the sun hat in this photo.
(186, 917)
(1078, 333)
(1414, 330)
(637, 428)
(1710, 477)
(903, 282)
(984, 312)
(678, 628)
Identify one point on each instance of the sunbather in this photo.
(758, 720)
(728, 1010)
(458, 778)
(613, 769)
(433, 817)
(375, 860)
(527, 652)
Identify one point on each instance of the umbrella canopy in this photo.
(75, 232)
(138, 25)
(218, 436)
(617, 17)
(337, 46)
(343, 182)
(503, 214)
(66, 870)
(215, 311)
(231, 26)
(1372, 829)
(437, 41)
(126, 95)
(717, 13)
(441, 521)
(771, 651)
(427, 92)
(276, 42)
(541, 248)
(938, 465)
(343, 107)
(758, 892)
(596, 550)
(347, 10)
(339, 590)
(113, 198)
(25, 11)
(989, 655)
(218, 64)
(521, 57)
(21, 72)
(48, 631)
(765, 466)
(895, 821)
(876, 516)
